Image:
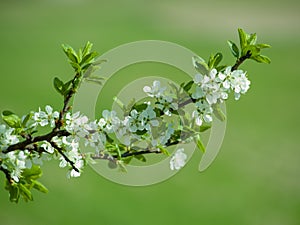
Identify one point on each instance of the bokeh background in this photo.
(255, 178)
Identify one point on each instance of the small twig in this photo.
(60, 151)
(147, 151)
(67, 100)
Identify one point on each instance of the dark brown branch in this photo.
(240, 60)
(147, 151)
(67, 100)
(7, 174)
(60, 151)
(26, 143)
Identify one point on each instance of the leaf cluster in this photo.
(28, 181)
(248, 47)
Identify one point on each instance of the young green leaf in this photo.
(119, 103)
(71, 54)
(11, 119)
(199, 143)
(39, 186)
(140, 157)
(261, 46)
(218, 112)
(205, 127)
(58, 84)
(234, 49)
(32, 174)
(261, 59)
(14, 192)
(164, 150)
(89, 58)
(25, 119)
(128, 159)
(252, 39)
(188, 86)
(243, 38)
(25, 192)
(200, 65)
(254, 50)
(87, 48)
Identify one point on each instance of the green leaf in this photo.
(87, 48)
(141, 132)
(252, 39)
(32, 174)
(86, 66)
(200, 65)
(221, 68)
(214, 60)
(71, 54)
(65, 87)
(14, 192)
(217, 59)
(128, 159)
(199, 144)
(205, 127)
(76, 66)
(218, 112)
(58, 84)
(25, 192)
(261, 46)
(11, 119)
(39, 186)
(261, 59)
(89, 57)
(79, 55)
(119, 102)
(234, 49)
(188, 86)
(26, 119)
(140, 107)
(130, 105)
(252, 48)
(164, 150)
(140, 157)
(243, 38)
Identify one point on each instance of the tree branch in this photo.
(240, 60)
(60, 150)
(67, 100)
(26, 143)
(7, 174)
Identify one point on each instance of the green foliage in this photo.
(83, 59)
(248, 48)
(199, 143)
(81, 62)
(28, 181)
(214, 60)
(11, 119)
(200, 65)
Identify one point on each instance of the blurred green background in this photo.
(255, 178)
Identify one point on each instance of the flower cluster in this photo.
(43, 118)
(214, 88)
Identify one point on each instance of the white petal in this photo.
(147, 89)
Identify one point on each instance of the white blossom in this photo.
(43, 118)
(178, 160)
(155, 91)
